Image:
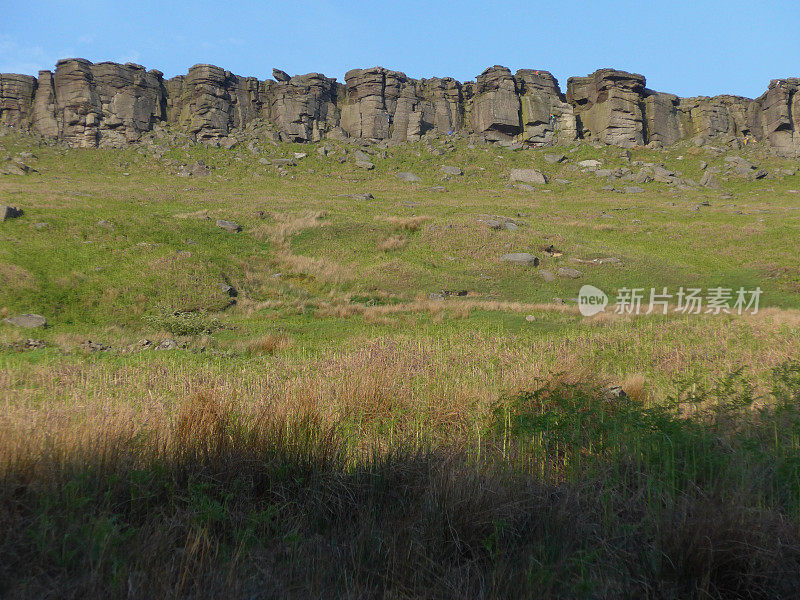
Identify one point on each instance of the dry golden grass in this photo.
(607, 317)
(772, 317)
(266, 345)
(410, 224)
(635, 386)
(393, 242)
(451, 305)
(286, 225)
(321, 269)
(15, 277)
(449, 382)
(198, 214)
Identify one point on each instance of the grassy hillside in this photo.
(324, 417)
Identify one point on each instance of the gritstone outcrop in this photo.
(82, 104)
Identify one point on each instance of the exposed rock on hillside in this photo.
(609, 106)
(107, 104)
(776, 115)
(496, 105)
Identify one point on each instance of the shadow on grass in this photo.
(567, 494)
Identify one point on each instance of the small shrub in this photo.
(182, 323)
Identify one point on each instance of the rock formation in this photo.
(303, 107)
(496, 104)
(209, 102)
(776, 116)
(109, 105)
(609, 106)
(546, 117)
(16, 98)
(380, 104)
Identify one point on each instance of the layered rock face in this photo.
(107, 104)
(496, 104)
(16, 99)
(368, 103)
(776, 116)
(661, 121)
(303, 107)
(714, 117)
(546, 117)
(380, 104)
(210, 102)
(103, 104)
(609, 106)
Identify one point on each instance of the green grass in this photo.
(330, 431)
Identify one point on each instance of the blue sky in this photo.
(687, 48)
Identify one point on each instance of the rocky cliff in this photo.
(108, 105)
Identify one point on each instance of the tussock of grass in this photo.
(266, 345)
(410, 224)
(15, 277)
(393, 242)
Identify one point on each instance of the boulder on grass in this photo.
(528, 176)
(27, 321)
(520, 258)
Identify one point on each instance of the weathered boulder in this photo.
(229, 226)
(447, 170)
(527, 176)
(280, 76)
(408, 177)
(521, 258)
(569, 273)
(15, 168)
(590, 163)
(9, 212)
(26, 321)
(364, 196)
(708, 180)
(554, 159)
(197, 169)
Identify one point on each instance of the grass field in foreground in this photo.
(333, 431)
